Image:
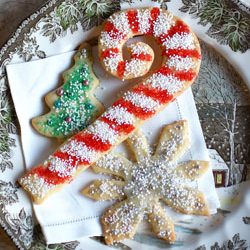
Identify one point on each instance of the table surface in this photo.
(12, 13)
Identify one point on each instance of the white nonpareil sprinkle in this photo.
(79, 150)
(143, 16)
(122, 219)
(169, 82)
(162, 24)
(84, 53)
(149, 180)
(111, 63)
(107, 41)
(162, 234)
(180, 40)
(139, 48)
(136, 68)
(102, 131)
(109, 189)
(113, 163)
(62, 167)
(120, 115)
(169, 148)
(180, 63)
(141, 101)
(36, 185)
(120, 21)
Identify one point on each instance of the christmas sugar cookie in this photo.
(180, 48)
(73, 105)
(179, 68)
(147, 181)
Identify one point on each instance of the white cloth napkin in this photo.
(67, 215)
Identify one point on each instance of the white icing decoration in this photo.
(139, 48)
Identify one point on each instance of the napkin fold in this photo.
(67, 215)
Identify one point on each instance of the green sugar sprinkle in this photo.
(73, 109)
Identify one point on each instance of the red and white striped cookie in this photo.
(179, 48)
(181, 52)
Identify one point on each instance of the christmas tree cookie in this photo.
(73, 105)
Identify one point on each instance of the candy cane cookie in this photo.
(180, 66)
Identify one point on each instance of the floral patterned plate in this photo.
(221, 96)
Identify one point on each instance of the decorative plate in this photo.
(221, 96)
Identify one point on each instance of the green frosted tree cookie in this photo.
(73, 105)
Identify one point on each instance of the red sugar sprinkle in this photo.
(66, 157)
(137, 111)
(120, 128)
(154, 13)
(182, 52)
(121, 69)
(132, 20)
(113, 31)
(181, 75)
(143, 57)
(109, 52)
(91, 141)
(179, 27)
(49, 176)
(161, 96)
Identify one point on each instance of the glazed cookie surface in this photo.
(180, 66)
(73, 105)
(147, 181)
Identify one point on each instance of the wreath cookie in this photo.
(180, 66)
(73, 105)
(145, 182)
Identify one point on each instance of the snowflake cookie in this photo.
(147, 181)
